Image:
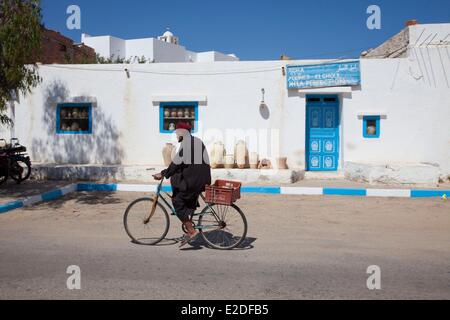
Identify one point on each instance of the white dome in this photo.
(168, 34)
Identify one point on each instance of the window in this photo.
(371, 126)
(74, 118)
(172, 113)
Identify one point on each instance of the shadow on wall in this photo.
(100, 147)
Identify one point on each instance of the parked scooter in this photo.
(14, 162)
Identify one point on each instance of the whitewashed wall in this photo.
(126, 115)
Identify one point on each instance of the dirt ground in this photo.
(298, 247)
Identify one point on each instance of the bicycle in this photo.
(147, 222)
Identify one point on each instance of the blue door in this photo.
(322, 132)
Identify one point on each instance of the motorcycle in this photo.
(14, 162)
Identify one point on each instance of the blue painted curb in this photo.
(344, 192)
(267, 190)
(55, 194)
(96, 187)
(52, 195)
(11, 206)
(429, 193)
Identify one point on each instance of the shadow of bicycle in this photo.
(198, 244)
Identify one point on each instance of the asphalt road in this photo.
(298, 248)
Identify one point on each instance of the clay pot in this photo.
(167, 113)
(282, 163)
(187, 114)
(167, 153)
(173, 113)
(217, 155)
(229, 161)
(253, 159)
(180, 113)
(240, 154)
(265, 164)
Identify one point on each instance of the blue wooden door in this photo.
(322, 133)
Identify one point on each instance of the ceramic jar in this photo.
(253, 160)
(180, 113)
(282, 163)
(167, 153)
(240, 154)
(172, 126)
(229, 161)
(167, 113)
(217, 155)
(265, 164)
(173, 113)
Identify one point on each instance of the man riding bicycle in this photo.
(189, 173)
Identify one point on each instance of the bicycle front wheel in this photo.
(223, 227)
(140, 228)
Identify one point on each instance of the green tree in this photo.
(20, 44)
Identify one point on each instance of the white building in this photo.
(165, 48)
(392, 124)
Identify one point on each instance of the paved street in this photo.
(298, 248)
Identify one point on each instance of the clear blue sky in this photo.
(252, 29)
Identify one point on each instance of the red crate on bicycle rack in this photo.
(223, 192)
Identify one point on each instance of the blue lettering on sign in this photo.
(324, 75)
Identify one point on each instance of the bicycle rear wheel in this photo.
(140, 230)
(223, 227)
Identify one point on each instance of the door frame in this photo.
(338, 131)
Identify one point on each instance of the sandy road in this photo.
(298, 248)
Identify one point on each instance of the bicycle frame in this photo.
(159, 195)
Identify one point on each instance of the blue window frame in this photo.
(74, 118)
(371, 127)
(171, 113)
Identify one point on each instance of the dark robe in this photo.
(189, 173)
